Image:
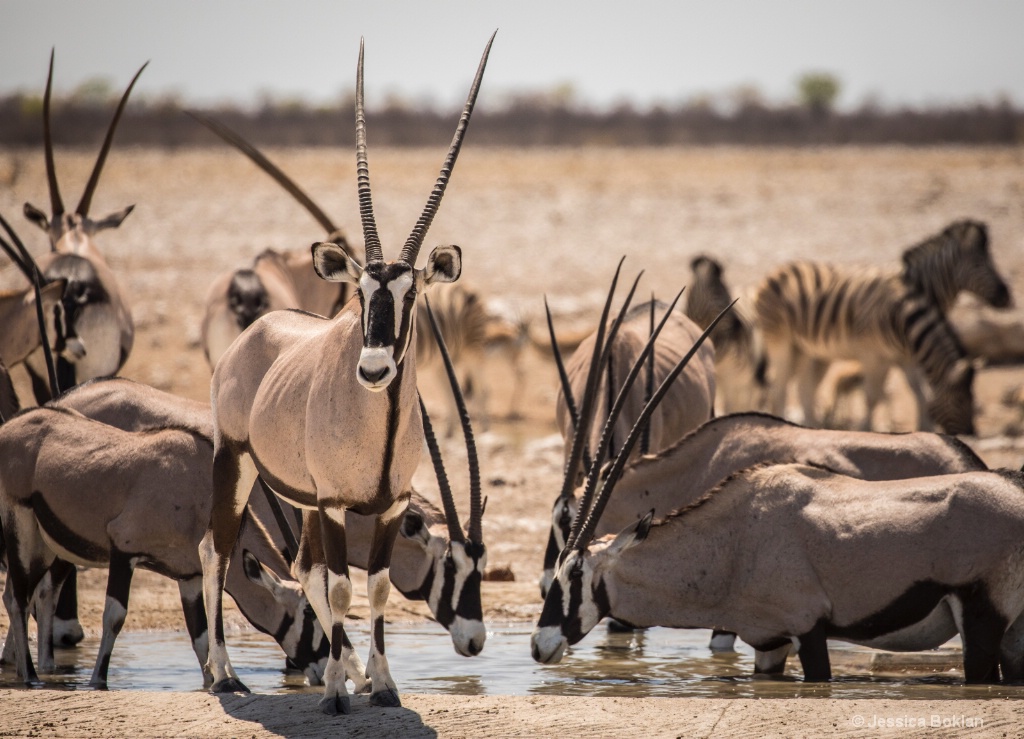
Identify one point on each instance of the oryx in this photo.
(93, 494)
(279, 280)
(95, 305)
(327, 410)
(600, 367)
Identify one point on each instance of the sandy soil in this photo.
(530, 223)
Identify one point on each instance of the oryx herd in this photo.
(667, 512)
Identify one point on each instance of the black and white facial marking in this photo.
(451, 585)
(575, 603)
(247, 297)
(563, 513)
(83, 294)
(299, 632)
(387, 295)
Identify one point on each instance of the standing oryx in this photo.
(95, 306)
(814, 313)
(792, 553)
(327, 410)
(90, 493)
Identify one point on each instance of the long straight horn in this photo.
(597, 360)
(586, 532)
(56, 204)
(37, 280)
(371, 239)
(419, 231)
(447, 499)
(261, 161)
(94, 178)
(613, 417)
(476, 512)
(645, 440)
(563, 379)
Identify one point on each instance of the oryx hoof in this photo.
(387, 698)
(332, 705)
(229, 685)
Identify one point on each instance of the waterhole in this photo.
(656, 662)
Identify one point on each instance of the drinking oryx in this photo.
(287, 393)
(278, 280)
(95, 306)
(96, 495)
(807, 543)
(813, 313)
(690, 398)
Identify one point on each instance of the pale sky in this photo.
(901, 52)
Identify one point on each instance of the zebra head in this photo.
(952, 405)
(954, 260)
(387, 290)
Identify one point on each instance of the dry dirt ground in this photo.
(531, 223)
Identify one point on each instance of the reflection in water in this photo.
(655, 662)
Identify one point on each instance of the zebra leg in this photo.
(874, 390)
(119, 584)
(311, 571)
(378, 586)
(214, 553)
(781, 362)
(918, 386)
(67, 630)
(191, 592)
(809, 377)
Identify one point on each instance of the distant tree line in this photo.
(524, 121)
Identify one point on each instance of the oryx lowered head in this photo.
(577, 599)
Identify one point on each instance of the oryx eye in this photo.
(576, 572)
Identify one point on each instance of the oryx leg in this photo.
(191, 592)
(813, 653)
(67, 630)
(981, 629)
(310, 570)
(378, 586)
(722, 641)
(771, 661)
(115, 609)
(1011, 652)
(214, 553)
(44, 607)
(27, 563)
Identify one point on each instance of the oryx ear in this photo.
(413, 527)
(37, 216)
(632, 534)
(443, 265)
(334, 264)
(257, 573)
(113, 220)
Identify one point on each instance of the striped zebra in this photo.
(739, 352)
(813, 313)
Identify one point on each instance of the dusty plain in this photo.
(531, 223)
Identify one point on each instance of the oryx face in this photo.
(451, 584)
(575, 602)
(563, 513)
(387, 296)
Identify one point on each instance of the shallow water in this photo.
(656, 662)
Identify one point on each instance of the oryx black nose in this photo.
(373, 375)
(474, 647)
(535, 651)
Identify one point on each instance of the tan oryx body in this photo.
(327, 410)
(95, 305)
(739, 352)
(92, 494)
(812, 314)
(797, 553)
(20, 334)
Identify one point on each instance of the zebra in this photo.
(740, 363)
(811, 313)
